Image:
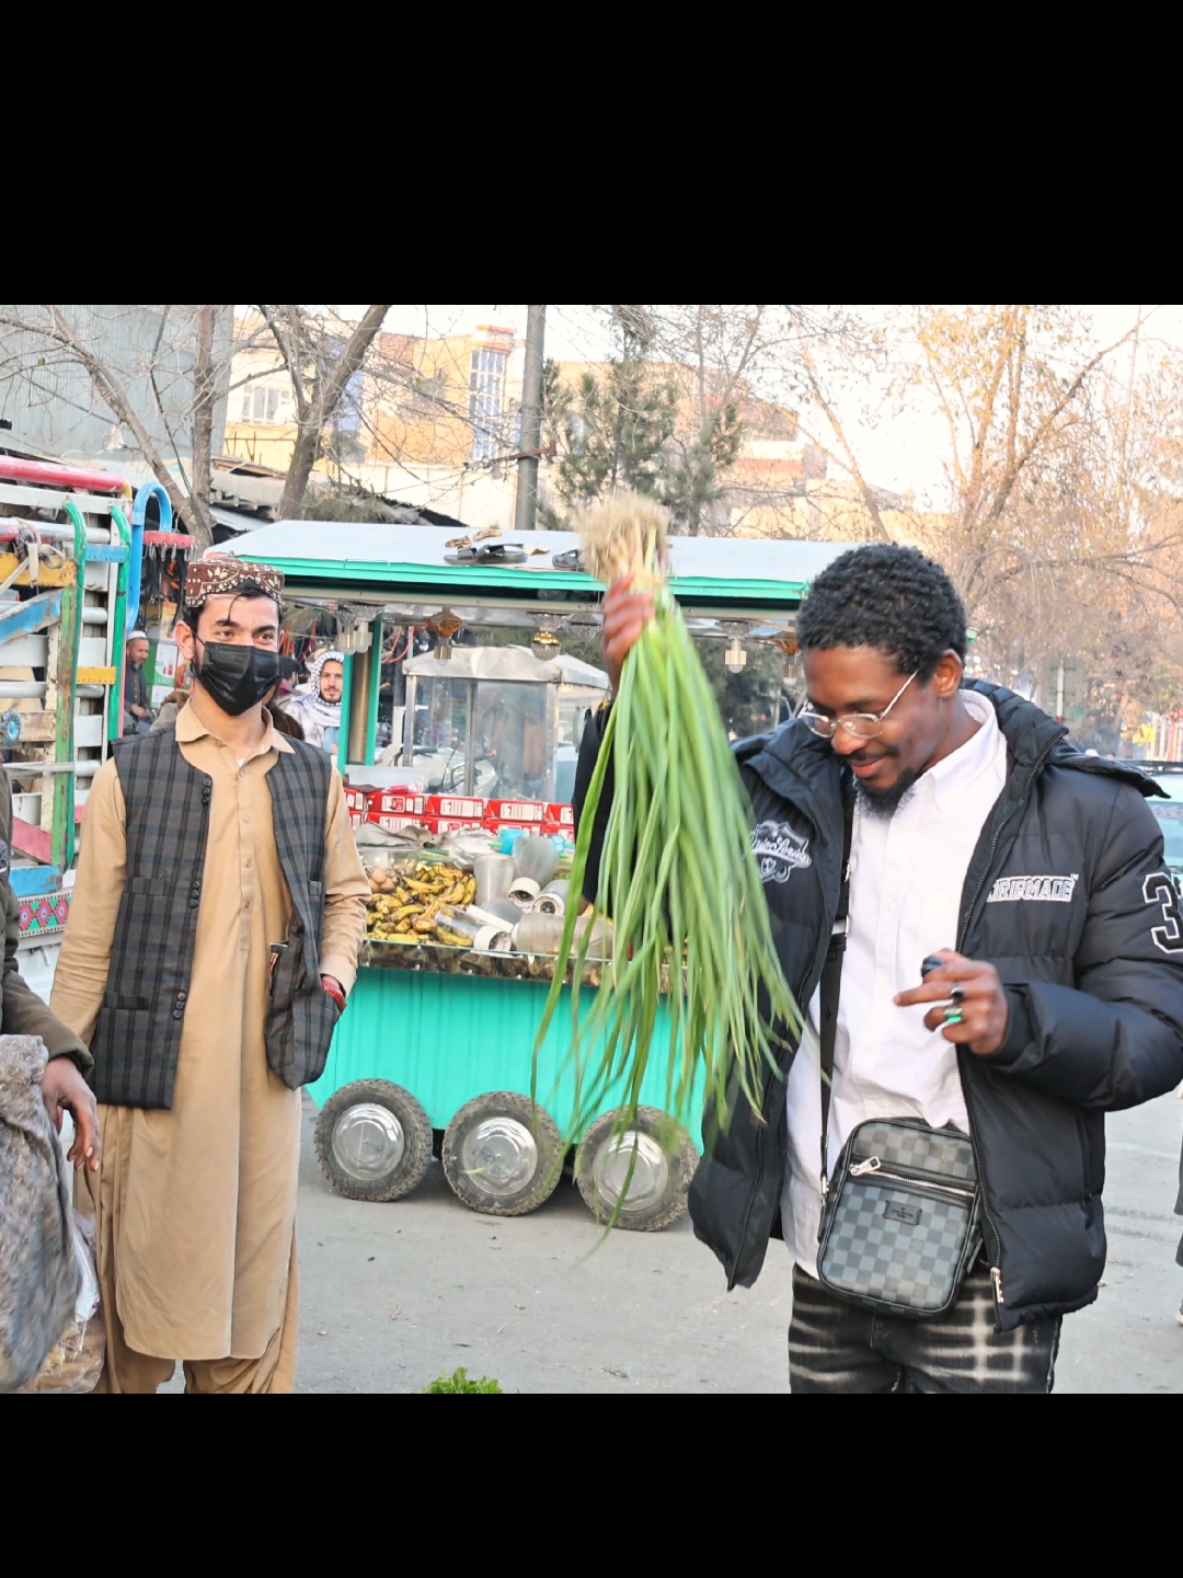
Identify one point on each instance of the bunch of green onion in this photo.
(677, 878)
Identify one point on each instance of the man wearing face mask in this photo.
(219, 907)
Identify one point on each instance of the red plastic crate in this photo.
(515, 813)
(452, 824)
(451, 806)
(396, 802)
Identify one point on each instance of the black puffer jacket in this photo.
(1068, 897)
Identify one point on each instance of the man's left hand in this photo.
(983, 1006)
(63, 1089)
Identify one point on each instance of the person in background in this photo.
(289, 677)
(213, 936)
(174, 701)
(137, 714)
(318, 710)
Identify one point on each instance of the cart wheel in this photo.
(663, 1159)
(373, 1140)
(502, 1154)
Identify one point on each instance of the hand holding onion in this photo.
(626, 613)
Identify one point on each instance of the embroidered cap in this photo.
(221, 574)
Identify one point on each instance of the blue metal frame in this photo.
(23, 619)
(29, 882)
(139, 509)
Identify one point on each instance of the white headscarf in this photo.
(326, 713)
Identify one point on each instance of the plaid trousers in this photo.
(834, 1347)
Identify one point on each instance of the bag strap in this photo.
(831, 983)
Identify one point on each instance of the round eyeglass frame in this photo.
(863, 725)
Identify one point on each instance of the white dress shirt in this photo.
(906, 877)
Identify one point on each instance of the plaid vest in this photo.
(137, 1037)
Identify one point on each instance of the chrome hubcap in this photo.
(499, 1156)
(368, 1142)
(651, 1171)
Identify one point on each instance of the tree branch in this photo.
(118, 403)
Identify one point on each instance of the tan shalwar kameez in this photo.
(196, 1206)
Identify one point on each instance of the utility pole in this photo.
(526, 512)
(204, 397)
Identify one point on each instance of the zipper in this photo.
(995, 1271)
(777, 1083)
(762, 1138)
(873, 1167)
(872, 1164)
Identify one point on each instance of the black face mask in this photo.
(236, 677)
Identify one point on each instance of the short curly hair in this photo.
(887, 597)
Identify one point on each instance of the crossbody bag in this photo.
(901, 1216)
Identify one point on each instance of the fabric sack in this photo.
(75, 1363)
(40, 1270)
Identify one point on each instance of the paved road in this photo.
(393, 1295)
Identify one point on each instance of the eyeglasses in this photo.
(863, 725)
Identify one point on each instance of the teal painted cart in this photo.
(434, 1053)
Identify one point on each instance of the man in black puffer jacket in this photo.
(1037, 874)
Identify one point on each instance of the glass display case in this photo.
(497, 723)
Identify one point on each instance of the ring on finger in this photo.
(957, 991)
(952, 1016)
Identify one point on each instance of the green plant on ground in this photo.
(458, 1382)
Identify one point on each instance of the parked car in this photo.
(1170, 815)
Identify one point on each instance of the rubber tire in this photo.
(507, 1104)
(416, 1132)
(680, 1154)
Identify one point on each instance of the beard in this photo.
(886, 802)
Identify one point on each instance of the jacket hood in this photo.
(1029, 732)
(796, 763)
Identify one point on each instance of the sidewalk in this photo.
(391, 1295)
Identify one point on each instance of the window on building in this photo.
(486, 401)
(260, 404)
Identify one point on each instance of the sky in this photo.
(900, 451)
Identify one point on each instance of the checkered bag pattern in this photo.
(894, 1246)
(943, 1152)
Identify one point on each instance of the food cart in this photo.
(469, 679)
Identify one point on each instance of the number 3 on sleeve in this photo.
(1159, 889)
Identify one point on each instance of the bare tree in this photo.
(1062, 521)
(204, 398)
(159, 372)
(320, 367)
